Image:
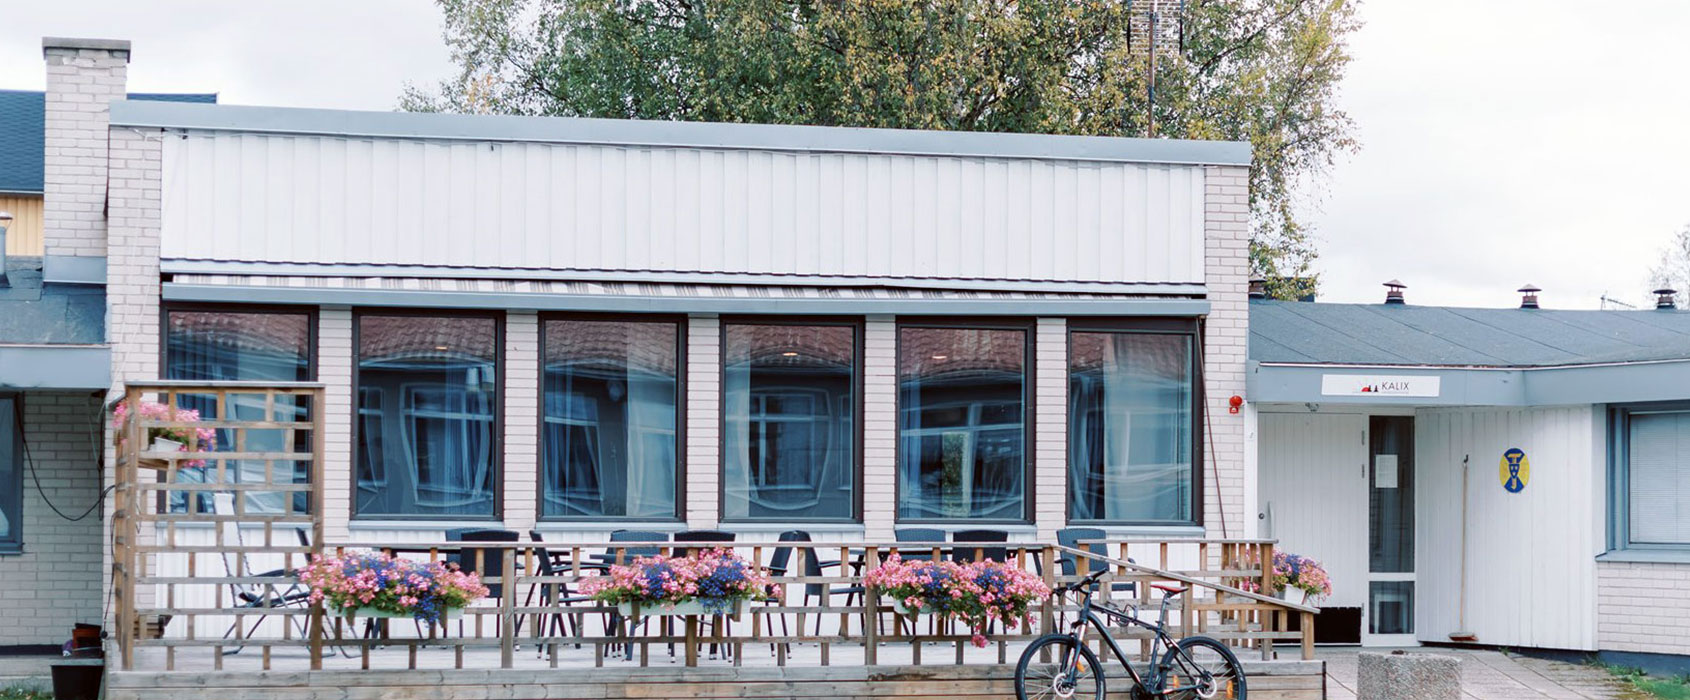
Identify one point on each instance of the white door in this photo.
(1312, 484)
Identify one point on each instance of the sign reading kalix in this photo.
(1378, 385)
(1515, 470)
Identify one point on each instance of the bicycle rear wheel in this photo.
(1057, 667)
(1200, 668)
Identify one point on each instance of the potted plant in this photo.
(706, 582)
(978, 593)
(377, 585)
(1296, 578)
(166, 439)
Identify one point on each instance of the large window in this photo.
(1655, 473)
(609, 440)
(1132, 436)
(260, 345)
(789, 405)
(11, 477)
(427, 415)
(962, 400)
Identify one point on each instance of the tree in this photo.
(1673, 269)
(1263, 71)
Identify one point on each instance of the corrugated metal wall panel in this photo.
(276, 198)
(23, 236)
(1311, 486)
(1531, 573)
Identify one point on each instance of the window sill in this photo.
(423, 524)
(776, 528)
(1646, 556)
(1160, 532)
(608, 525)
(10, 550)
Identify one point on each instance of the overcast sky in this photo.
(1503, 142)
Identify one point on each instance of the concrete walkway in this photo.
(1492, 675)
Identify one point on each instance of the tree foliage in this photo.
(1263, 71)
(1673, 269)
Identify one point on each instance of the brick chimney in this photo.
(83, 77)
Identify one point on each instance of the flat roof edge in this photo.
(711, 135)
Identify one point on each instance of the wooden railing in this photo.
(213, 588)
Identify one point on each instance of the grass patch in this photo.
(22, 693)
(1664, 688)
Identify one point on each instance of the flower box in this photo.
(159, 445)
(686, 607)
(899, 607)
(369, 612)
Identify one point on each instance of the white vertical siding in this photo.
(703, 421)
(521, 419)
(1050, 431)
(1531, 570)
(334, 370)
(308, 199)
(880, 425)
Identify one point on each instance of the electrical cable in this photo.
(1209, 425)
(35, 472)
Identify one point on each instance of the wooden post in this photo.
(692, 641)
(871, 615)
(507, 609)
(1308, 636)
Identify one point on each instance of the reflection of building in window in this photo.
(789, 409)
(11, 477)
(1131, 435)
(610, 419)
(267, 346)
(427, 391)
(962, 448)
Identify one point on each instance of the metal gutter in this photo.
(709, 135)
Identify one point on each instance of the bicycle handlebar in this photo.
(1088, 581)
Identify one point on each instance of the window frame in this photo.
(1619, 477)
(12, 542)
(311, 314)
(1191, 327)
(1029, 412)
(499, 319)
(857, 324)
(681, 322)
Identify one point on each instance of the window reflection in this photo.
(216, 345)
(610, 415)
(789, 403)
(427, 395)
(1130, 430)
(961, 423)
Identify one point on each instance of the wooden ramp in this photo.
(1269, 680)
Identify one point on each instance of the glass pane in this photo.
(1391, 494)
(610, 414)
(789, 408)
(427, 391)
(961, 394)
(1390, 606)
(243, 346)
(11, 474)
(1130, 427)
(1659, 479)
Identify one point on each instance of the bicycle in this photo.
(1193, 667)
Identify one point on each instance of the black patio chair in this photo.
(487, 562)
(918, 534)
(1071, 537)
(556, 595)
(711, 621)
(964, 555)
(609, 557)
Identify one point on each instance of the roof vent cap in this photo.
(1665, 298)
(1528, 298)
(1393, 292)
(1258, 287)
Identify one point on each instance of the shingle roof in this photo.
(23, 132)
(35, 313)
(1400, 334)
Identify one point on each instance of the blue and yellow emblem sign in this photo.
(1515, 470)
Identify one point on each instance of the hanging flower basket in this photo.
(977, 593)
(1296, 579)
(165, 440)
(366, 584)
(707, 582)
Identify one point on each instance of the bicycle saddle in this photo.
(1170, 589)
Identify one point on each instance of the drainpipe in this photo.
(5, 223)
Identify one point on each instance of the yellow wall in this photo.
(23, 237)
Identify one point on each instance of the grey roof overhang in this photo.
(55, 367)
(712, 135)
(1620, 382)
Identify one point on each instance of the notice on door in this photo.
(1379, 385)
(1384, 471)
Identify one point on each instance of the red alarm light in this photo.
(1233, 403)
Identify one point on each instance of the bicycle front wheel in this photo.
(1057, 667)
(1200, 667)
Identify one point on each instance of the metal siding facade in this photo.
(274, 198)
(1312, 471)
(1531, 569)
(23, 236)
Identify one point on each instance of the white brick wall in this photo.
(1050, 433)
(57, 581)
(703, 417)
(522, 420)
(1227, 269)
(880, 426)
(334, 370)
(1643, 607)
(81, 83)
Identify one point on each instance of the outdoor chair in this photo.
(964, 555)
(918, 534)
(713, 620)
(249, 596)
(487, 562)
(627, 554)
(556, 596)
(1071, 537)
